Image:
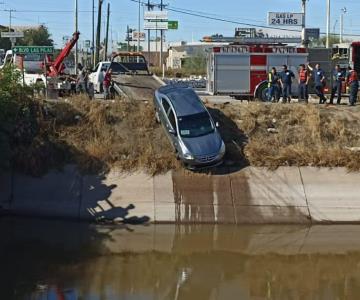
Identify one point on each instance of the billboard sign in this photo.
(285, 19)
(156, 15)
(156, 25)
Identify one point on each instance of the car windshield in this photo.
(195, 125)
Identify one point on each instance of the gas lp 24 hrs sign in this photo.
(285, 19)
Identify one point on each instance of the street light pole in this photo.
(328, 24)
(303, 31)
(343, 11)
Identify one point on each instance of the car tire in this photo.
(263, 92)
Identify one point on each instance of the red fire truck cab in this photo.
(241, 70)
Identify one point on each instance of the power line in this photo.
(204, 16)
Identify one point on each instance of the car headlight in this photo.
(186, 152)
(222, 148)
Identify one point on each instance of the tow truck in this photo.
(130, 75)
(40, 68)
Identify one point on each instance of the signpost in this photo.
(138, 35)
(33, 50)
(12, 34)
(312, 33)
(173, 25)
(162, 25)
(285, 19)
(156, 15)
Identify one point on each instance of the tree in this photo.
(39, 36)
(36, 37)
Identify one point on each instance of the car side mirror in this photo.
(217, 124)
(172, 131)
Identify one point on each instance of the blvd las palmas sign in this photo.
(33, 50)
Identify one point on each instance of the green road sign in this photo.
(173, 25)
(33, 50)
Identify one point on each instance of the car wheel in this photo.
(263, 92)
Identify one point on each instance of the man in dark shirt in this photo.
(338, 77)
(273, 85)
(319, 79)
(286, 77)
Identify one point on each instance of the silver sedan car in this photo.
(189, 126)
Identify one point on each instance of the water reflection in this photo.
(57, 260)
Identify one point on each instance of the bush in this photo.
(15, 113)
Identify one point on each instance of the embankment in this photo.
(298, 195)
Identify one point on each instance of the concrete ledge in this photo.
(55, 195)
(251, 196)
(333, 195)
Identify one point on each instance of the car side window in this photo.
(172, 120)
(165, 105)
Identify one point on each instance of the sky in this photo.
(58, 16)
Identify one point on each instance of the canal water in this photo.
(52, 260)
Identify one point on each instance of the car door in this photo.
(163, 111)
(172, 121)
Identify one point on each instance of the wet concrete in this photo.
(288, 195)
(65, 260)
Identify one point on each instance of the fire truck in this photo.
(241, 70)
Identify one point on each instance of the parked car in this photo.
(189, 126)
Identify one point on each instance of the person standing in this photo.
(81, 82)
(319, 79)
(107, 84)
(338, 77)
(352, 80)
(273, 85)
(304, 77)
(286, 77)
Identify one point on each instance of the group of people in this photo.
(280, 83)
(84, 85)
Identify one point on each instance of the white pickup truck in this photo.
(97, 76)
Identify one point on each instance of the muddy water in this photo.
(60, 260)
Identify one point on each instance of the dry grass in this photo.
(298, 135)
(102, 135)
(114, 134)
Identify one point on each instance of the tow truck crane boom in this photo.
(56, 67)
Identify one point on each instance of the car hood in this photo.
(203, 145)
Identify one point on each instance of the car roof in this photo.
(182, 99)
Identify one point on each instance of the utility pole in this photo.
(107, 32)
(343, 11)
(76, 30)
(139, 28)
(98, 33)
(93, 34)
(12, 40)
(328, 24)
(149, 32)
(161, 38)
(128, 38)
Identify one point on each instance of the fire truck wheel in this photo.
(263, 92)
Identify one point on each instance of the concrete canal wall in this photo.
(249, 196)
